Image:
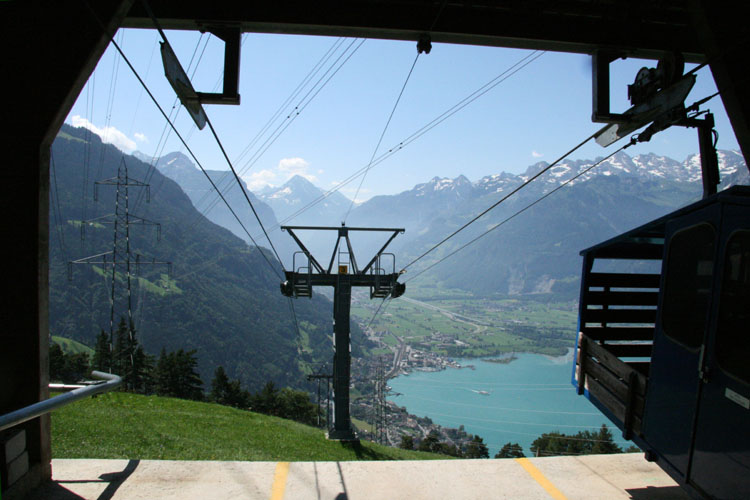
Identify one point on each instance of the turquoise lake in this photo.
(527, 397)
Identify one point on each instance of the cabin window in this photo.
(687, 285)
(733, 333)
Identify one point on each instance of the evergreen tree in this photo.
(67, 368)
(510, 450)
(226, 392)
(296, 405)
(604, 443)
(76, 366)
(101, 360)
(219, 386)
(142, 372)
(121, 351)
(582, 443)
(162, 374)
(175, 375)
(431, 443)
(476, 448)
(407, 442)
(266, 401)
(56, 363)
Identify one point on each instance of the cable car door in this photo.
(682, 320)
(721, 458)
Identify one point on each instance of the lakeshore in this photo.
(525, 398)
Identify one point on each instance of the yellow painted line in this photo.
(279, 481)
(539, 478)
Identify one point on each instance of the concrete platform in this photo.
(595, 477)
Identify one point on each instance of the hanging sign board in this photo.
(182, 86)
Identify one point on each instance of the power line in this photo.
(507, 73)
(501, 200)
(301, 85)
(57, 212)
(380, 140)
(164, 137)
(515, 214)
(234, 172)
(244, 191)
(281, 128)
(164, 114)
(326, 56)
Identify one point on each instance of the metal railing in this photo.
(37, 409)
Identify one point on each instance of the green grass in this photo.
(362, 425)
(488, 325)
(163, 286)
(122, 425)
(65, 135)
(70, 346)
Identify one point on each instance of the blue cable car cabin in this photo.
(663, 348)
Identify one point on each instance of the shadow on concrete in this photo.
(52, 491)
(363, 452)
(658, 493)
(55, 490)
(115, 479)
(344, 495)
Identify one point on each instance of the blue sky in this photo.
(537, 114)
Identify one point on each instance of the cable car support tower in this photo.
(300, 282)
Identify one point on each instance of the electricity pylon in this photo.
(381, 424)
(120, 258)
(299, 283)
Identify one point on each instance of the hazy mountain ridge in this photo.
(193, 182)
(538, 250)
(297, 193)
(534, 252)
(222, 299)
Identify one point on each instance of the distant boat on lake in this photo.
(483, 393)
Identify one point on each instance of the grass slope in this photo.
(70, 346)
(122, 425)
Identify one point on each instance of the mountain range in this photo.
(222, 297)
(537, 251)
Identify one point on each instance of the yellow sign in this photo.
(343, 269)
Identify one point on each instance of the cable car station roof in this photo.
(641, 28)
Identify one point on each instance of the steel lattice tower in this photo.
(381, 422)
(120, 258)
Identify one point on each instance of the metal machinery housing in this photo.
(663, 343)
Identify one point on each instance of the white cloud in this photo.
(259, 180)
(140, 137)
(289, 167)
(109, 135)
(536, 155)
(294, 165)
(285, 170)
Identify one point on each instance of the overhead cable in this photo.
(380, 140)
(281, 128)
(501, 200)
(311, 74)
(242, 188)
(56, 211)
(507, 73)
(510, 217)
(223, 152)
(177, 133)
